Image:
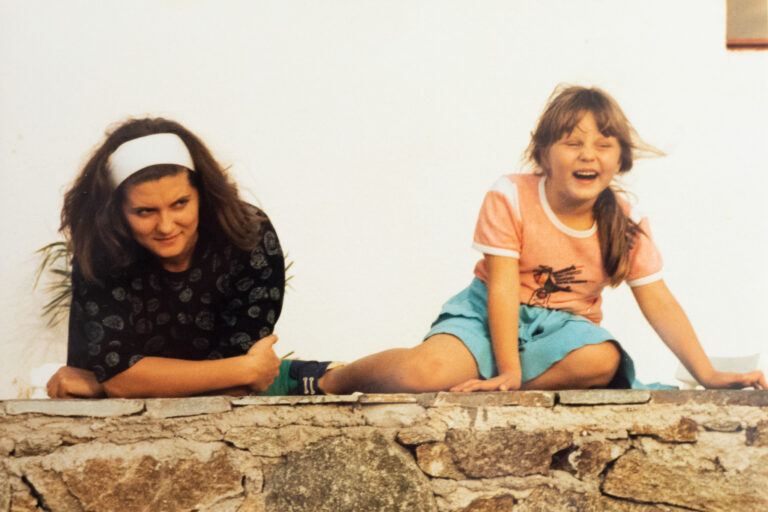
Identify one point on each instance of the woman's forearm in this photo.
(163, 377)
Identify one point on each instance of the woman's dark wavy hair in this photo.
(565, 108)
(92, 219)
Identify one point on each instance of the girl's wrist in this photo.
(708, 377)
(508, 366)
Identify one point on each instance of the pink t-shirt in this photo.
(560, 268)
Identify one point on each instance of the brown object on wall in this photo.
(747, 24)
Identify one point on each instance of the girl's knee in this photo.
(421, 371)
(603, 362)
(429, 368)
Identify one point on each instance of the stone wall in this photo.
(517, 451)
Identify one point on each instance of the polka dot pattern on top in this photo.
(224, 302)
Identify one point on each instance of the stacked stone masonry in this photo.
(517, 451)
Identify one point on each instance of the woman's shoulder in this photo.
(108, 283)
(260, 226)
(263, 236)
(259, 219)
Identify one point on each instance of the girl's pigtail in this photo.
(616, 233)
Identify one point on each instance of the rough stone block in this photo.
(174, 407)
(234, 505)
(503, 451)
(392, 415)
(164, 476)
(501, 503)
(76, 407)
(753, 398)
(22, 501)
(6, 446)
(275, 442)
(758, 435)
(339, 475)
(722, 425)
(591, 458)
(435, 459)
(680, 478)
(5, 490)
(603, 396)
(420, 434)
(326, 415)
(545, 498)
(684, 431)
(553, 500)
(37, 443)
(496, 399)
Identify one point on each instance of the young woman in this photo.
(177, 283)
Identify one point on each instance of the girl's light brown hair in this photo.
(92, 217)
(565, 108)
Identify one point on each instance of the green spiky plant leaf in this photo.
(55, 263)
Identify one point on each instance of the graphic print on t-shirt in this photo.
(551, 281)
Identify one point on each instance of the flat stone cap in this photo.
(191, 406)
(97, 408)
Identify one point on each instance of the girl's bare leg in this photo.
(586, 367)
(437, 364)
(443, 361)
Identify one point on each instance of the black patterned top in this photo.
(226, 300)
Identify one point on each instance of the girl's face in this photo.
(163, 216)
(581, 165)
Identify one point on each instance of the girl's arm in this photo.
(503, 306)
(164, 377)
(671, 324)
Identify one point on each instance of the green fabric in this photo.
(283, 383)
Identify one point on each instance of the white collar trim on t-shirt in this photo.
(557, 222)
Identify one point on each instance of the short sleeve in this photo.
(256, 281)
(497, 231)
(645, 259)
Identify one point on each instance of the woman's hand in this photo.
(264, 362)
(71, 382)
(505, 382)
(755, 379)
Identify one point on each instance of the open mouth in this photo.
(585, 175)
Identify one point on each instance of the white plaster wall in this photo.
(369, 131)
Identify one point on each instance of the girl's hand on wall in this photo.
(755, 379)
(71, 382)
(505, 382)
(264, 362)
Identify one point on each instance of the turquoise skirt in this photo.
(545, 335)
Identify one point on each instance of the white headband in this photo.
(155, 149)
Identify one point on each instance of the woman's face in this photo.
(163, 216)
